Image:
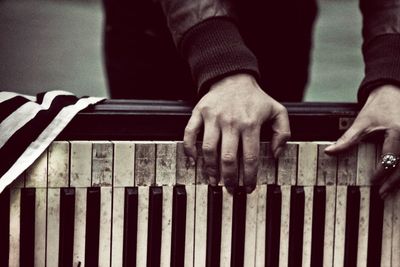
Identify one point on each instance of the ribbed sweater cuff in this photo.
(382, 64)
(214, 49)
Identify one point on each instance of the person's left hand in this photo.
(381, 112)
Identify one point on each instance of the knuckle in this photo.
(228, 121)
(281, 109)
(189, 130)
(211, 170)
(250, 123)
(287, 135)
(228, 159)
(208, 149)
(250, 159)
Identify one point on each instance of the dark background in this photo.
(57, 44)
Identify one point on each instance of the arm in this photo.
(380, 89)
(232, 106)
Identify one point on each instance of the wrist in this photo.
(235, 80)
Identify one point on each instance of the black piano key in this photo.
(178, 226)
(92, 226)
(296, 226)
(352, 222)
(238, 226)
(130, 226)
(4, 227)
(376, 208)
(318, 226)
(27, 232)
(273, 225)
(67, 223)
(214, 220)
(154, 226)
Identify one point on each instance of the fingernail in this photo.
(213, 181)
(250, 188)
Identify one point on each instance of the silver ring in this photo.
(389, 161)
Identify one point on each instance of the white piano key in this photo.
(201, 226)
(287, 165)
(105, 227)
(166, 225)
(201, 178)
(307, 233)
(123, 176)
(102, 163)
(285, 223)
(307, 163)
(53, 226)
(185, 167)
(251, 228)
(267, 166)
(143, 214)
(387, 232)
(15, 217)
(36, 174)
(347, 171)
(81, 164)
(365, 163)
(40, 226)
(80, 226)
(396, 230)
(124, 163)
(362, 251)
(36, 177)
(226, 228)
(190, 219)
(329, 233)
(261, 226)
(58, 164)
(165, 163)
(327, 166)
(117, 226)
(145, 160)
(340, 226)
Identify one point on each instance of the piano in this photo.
(115, 189)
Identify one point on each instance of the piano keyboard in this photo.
(142, 203)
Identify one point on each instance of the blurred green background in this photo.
(47, 45)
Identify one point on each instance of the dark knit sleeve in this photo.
(382, 64)
(215, 49)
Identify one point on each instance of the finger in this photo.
(251, 150)
(229, 164)
(190, 136)
(281, 132)
(391, 145)
(351, 137)
(210, 151)
(390, 184)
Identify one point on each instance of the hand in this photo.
(381, 112)
(235, 107)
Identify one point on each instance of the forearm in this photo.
(208, 39)
(381, 44)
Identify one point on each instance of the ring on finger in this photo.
(389, 161)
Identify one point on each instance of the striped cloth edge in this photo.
(29, 124)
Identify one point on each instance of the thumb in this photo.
(350, 138)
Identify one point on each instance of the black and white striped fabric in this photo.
(29, 124)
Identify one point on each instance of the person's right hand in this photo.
(235, 107)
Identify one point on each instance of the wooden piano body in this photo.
(97, 198)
